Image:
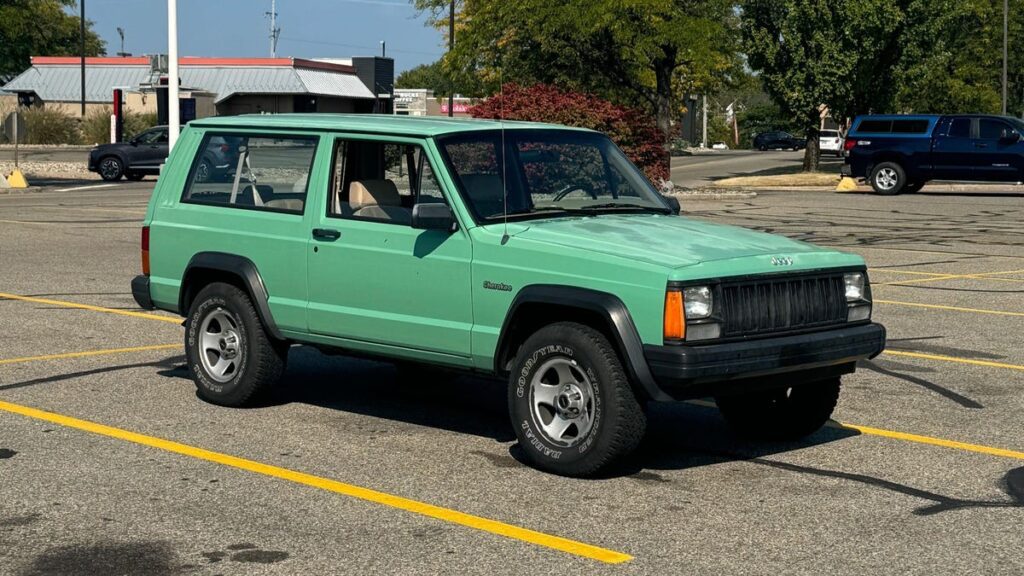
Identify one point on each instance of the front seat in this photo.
(378, 200)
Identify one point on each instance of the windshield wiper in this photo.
(624, 206)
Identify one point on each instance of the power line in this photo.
(362, 47)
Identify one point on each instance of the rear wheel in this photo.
(888, 178)
(571, 403)
(781, 413)
(111, 169)
(232, 359)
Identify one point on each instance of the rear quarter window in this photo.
(910, 127)
(875, 126)
(269, 173)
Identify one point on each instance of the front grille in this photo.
(782, 304)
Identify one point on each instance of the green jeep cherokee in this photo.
(531, 252)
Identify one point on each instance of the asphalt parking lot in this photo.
(109, 464)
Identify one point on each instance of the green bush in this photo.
(49, 126)
(96, 127)
(135, 124)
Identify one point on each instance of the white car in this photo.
(830, 141)
(719, 146)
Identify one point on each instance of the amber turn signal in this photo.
(675, 321)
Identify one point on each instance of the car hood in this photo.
(668, 241)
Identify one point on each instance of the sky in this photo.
(239, 28)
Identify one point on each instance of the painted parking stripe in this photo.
(66, 304)
(949, 308)
(468, 520)
(919, 439)
(91, 187)
(87, 353)
(942, 358)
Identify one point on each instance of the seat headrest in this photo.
(362, 193)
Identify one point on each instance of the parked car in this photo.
(144, 154)
(898, 154)
(567, 275)
(778, 141)
(831, 142)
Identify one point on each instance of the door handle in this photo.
(979, 145)
(326, 234)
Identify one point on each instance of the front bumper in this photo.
(698, 370)
(140, 291)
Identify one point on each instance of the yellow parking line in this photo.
(934, 441)
(897, 271)
(88, 353)
(366, 494)
(954, 359)
(4, 296)
(935, 277)
(951, 308)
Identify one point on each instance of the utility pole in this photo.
(81, 4)
(451, 46)
(1006, 44)
(275, 32)
(173, 105)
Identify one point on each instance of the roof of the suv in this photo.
(367, 123)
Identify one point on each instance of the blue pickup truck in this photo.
(900, 153)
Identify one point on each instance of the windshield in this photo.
(545, 173)
(1017, 123)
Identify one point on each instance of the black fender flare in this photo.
(240, 267)
(610, 308)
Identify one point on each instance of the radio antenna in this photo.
(504, 164)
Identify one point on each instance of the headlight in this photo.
(854, 286)
(858, 298)
(697, 302)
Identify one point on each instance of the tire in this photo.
(234, 335)
(888, 178)
(762, 148)
(135, 176)
(584, 393)
(912, 187)
(111, 168)
(781, 413)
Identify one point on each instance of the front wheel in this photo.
(232, 359)
(781, 413)
(571, 403)
(888, 178)
(111, 169)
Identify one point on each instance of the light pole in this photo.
(81, 5)
(451, 46)
(173, 106)
(1006, 44)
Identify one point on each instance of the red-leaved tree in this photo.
(634, 132)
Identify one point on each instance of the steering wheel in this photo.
(576, 187)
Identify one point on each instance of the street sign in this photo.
(14, 124)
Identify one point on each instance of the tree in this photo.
(436, 78)
(630, 129)
(814, 54)
(40, 28)
(953, 56)
(639, 53)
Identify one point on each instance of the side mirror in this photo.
(1009, 136)
(433, 216)
(673, 202)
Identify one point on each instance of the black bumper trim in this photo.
(679, 369)
(140, 291)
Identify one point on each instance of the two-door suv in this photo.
(531, 252)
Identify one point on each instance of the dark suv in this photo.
(778, 141)
(145, 153)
